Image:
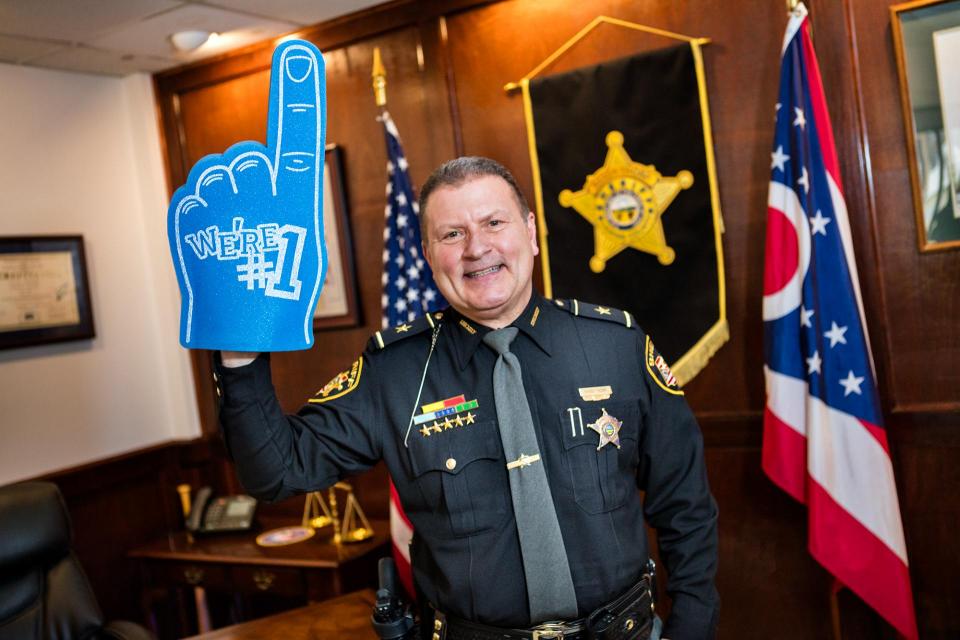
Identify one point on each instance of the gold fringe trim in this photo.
(694, 360)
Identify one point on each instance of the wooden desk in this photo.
(234, 564)
(344, 617)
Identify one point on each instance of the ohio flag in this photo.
(408, 292)
(823, 438)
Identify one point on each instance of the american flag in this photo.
(824, 442)
(408, 292)
(408, 288)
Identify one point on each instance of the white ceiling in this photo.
(117, 37)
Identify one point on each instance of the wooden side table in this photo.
(308, 571)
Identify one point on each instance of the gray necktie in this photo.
(549, 583)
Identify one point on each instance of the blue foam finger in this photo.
(246, 230)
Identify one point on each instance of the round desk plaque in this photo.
(284, 536)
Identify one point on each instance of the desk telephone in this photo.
(221, 514)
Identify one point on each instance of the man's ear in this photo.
(532, 231)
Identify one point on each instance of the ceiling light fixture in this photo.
(189, 40)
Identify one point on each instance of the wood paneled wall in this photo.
(122, 502)
(126, 501)
(447, 63)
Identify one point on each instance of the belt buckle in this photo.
(548, 631)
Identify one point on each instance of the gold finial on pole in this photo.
(379, 79)
(792, 5)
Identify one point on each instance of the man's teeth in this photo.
(478, 274)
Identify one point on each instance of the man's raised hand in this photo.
(246, 230)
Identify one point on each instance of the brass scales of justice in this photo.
(319, 513)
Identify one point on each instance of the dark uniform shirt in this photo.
(446, 460)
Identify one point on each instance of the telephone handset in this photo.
(225, 513)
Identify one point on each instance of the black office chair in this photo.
(44, 594)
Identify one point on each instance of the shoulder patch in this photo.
(381, 339)
(597, 312)
(341, 384)
(659, 370)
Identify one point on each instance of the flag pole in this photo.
(401, 531)
(379, 76)
(835, 609)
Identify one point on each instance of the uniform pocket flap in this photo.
(451, 450)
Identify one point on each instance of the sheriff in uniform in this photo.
(608, 416)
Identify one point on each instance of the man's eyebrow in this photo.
(446, 226)
(496, 212)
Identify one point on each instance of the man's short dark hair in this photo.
(454, 173)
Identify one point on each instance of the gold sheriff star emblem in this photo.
(624, 201)
(608, 428)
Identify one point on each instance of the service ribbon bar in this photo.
(446, 411)
(443, 404)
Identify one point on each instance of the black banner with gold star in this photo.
(627, 201)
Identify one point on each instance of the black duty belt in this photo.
(629, 617)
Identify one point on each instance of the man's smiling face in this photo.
(480, 246)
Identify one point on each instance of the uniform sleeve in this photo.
(336, 434)
(678, 502)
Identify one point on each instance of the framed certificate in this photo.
(926, 39)
(44, 293)
(337, 306)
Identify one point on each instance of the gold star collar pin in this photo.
(608, 428)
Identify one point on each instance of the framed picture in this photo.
(926, 37)
(946, 52)
(44, 293)
(337, 306)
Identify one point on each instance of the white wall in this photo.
(80, 154)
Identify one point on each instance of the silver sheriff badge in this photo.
(609, 429)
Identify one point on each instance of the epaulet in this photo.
(385, 337)
(596, 312)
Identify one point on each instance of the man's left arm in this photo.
(678, 502)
